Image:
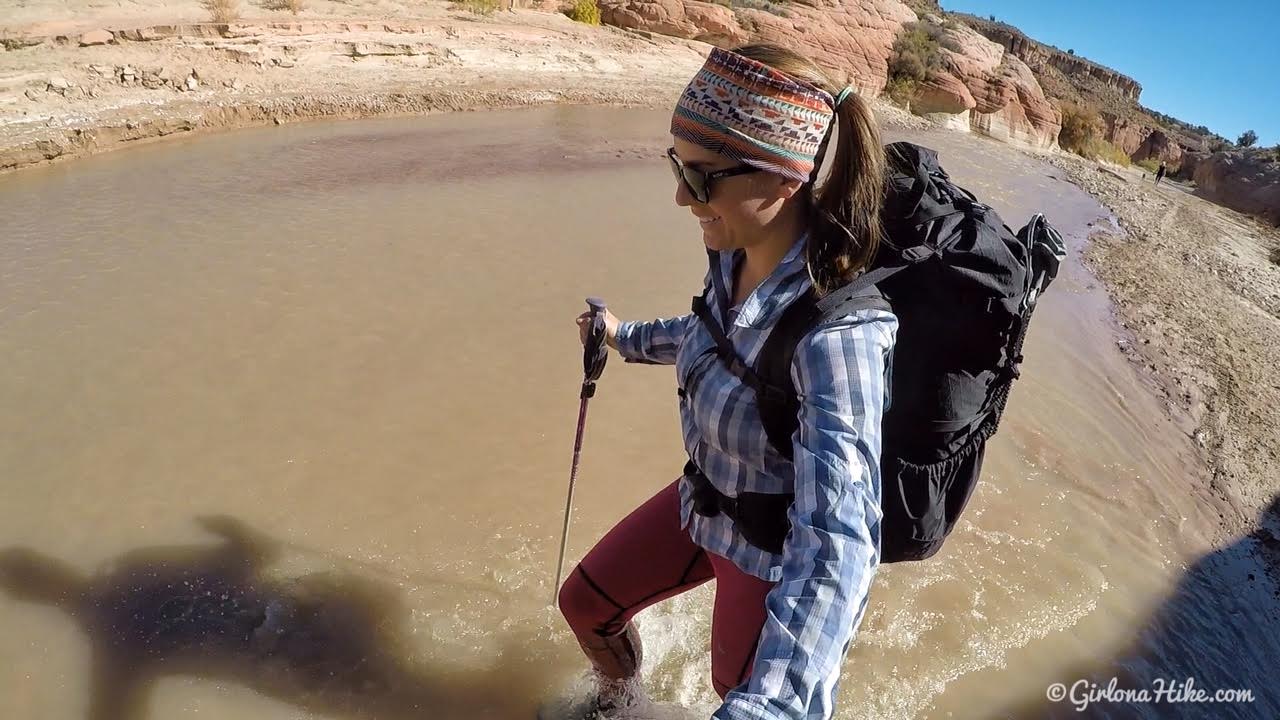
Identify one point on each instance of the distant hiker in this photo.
(750, 131)
(1160, 173)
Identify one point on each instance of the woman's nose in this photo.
(684, 198)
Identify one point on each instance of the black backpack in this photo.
(963, 287)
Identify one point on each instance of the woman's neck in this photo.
(765, 255)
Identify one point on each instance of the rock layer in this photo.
(1247, 181)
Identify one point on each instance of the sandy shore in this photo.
(1194, 283)
(1198, 286)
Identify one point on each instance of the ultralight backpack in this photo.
(963, 287)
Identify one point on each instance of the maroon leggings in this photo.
(647, 558)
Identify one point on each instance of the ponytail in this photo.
(844, 209)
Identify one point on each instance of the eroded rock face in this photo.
(983, 87)
(1037, 55)
(1159, 146)
(851, 37)
(1140, 141)
(1000, 92)
(1247, 181)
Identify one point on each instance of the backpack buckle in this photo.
(918, 253)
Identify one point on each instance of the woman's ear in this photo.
(787, 187)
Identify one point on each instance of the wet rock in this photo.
(96, 37)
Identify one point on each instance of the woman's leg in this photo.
(736, 623)
(644, 559)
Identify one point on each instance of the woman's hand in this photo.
(610, 328)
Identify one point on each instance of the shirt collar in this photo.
(773, 295)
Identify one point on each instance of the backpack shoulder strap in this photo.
(778, 402)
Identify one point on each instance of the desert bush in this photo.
(1080, 125)
(477, 7)
(293, 6)
(1099, 149)
(1151, 165)
(769, 6)
(585, 11)
(222, 11)
(1247, 138)
(900, 90)
(917, 51)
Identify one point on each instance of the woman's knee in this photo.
(583, 607)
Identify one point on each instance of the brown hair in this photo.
(844, 210)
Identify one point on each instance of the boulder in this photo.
(1248, 181)
(96, 37)
(1159, 146)
(945, 93)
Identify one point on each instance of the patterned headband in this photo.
(750, 112)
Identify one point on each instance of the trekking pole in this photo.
(594, 354)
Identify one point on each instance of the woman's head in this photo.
(762, 117)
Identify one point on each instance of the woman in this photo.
(750, 132)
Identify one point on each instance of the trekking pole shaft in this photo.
(568, 505)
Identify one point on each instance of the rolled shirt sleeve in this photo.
(832, 551)
(655, 342)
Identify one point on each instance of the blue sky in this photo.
(1213, 63)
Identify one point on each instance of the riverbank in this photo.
(1198, 287)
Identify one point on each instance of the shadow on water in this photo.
(1218, 628)
(328, 642)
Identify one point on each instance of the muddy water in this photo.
(290, 410)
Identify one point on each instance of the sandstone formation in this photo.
(1248, 181)
(1159, 146)
(853, 38)
(983, 88)
(990, 90)
(96, 37)
(1037, 56)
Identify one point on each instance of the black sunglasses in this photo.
(698, 182)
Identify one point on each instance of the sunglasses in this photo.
(697, 182)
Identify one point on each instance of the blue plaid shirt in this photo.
(825, 570)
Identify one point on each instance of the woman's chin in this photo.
(712, 240)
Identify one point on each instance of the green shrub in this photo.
(477, 7)
(1247, 138)
(1099, 149)
(769, 6)
(1080, 126)
(1151, 165)
(916, 52)
(222, 11)
(901, 91)
(585, 11)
